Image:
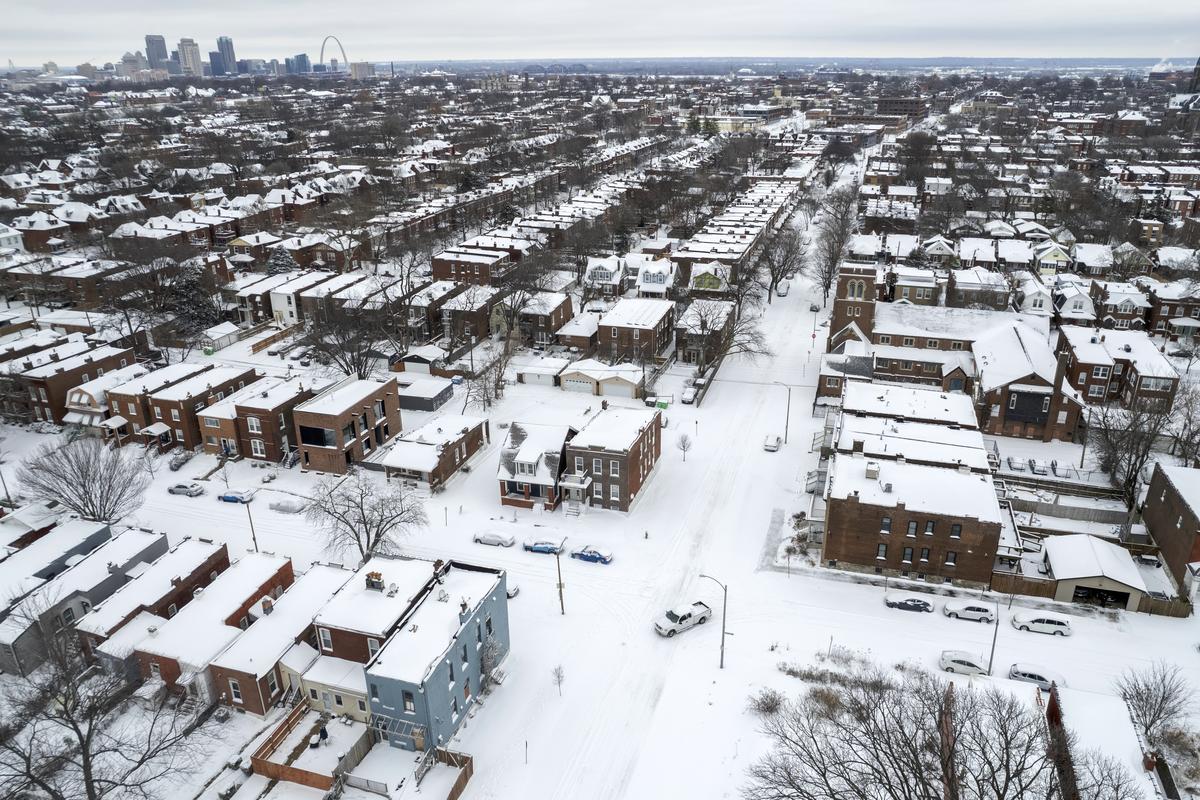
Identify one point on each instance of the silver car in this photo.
(494, 539)
(190, 489)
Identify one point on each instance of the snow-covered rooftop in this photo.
(935, 490)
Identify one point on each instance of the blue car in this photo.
(593, 555)
(236, 496)
(542, 546)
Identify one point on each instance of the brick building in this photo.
(345, 423)
(174, 410)
(637, 328)
(129, 403)
(611, 457)
(913, 520)
(1172, 516)
(434, 452)
(49, 384)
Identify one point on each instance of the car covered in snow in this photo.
(288, 505)
(678, 620)
(1039, 676)
(592, 554)
(236, 496)
(543, 546)
(494, 539)
(189, 489)
(908, 602)
(969, 609)
(961, 662)
(772, 443)
(689, 395)
(1041, 622)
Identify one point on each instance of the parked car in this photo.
(513, 590)
(236, 495)
(542, 546)
(677, 620)
(1039, 622)
(178, 459)
(1147, 559)
(297, 354)
(595, 556)
(908, 602)
(689, 395)
(814, 307)
(287, 505)
(782, 289)
(961, 662)
(969, 609)
(1015, 464)
(772, 443)
(1038, 467)
(1031, 673)
(494, 539)
(191, 489)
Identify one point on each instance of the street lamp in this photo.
(787, 415)
(995, 635)
(724, 605)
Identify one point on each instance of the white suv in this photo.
(1042, 623)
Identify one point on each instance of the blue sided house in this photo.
(429, 673)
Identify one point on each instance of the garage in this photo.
(577, 384)
(618, 387)
(1092, 571)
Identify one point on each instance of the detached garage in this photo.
(542, 371)
(1088, 569)
(595, 377)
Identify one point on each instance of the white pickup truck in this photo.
(678, 620)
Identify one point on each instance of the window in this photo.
(598, 490)
(313, 693)
(257, 448)
(362, 705)
(487, 624)
(326, 638)
(906, 555)
(454, 708)
(478, 633)
(905, 365)
(909, 341)
(1095, 390)
(832, 383)
(956, 531)
(929, 524)
(464, 655)
(912, 527)
(614, 468)
(881, 552)
(212, 422)
(372, 648)
(68, 615)
(374, 692)
(579, 464)
(451, 665)
(597, 466)
(885, 525)
(951, 558)
(1100, 372)
(637, 334)
(253, 425)
(885, 339)
(410, 703)
(931, 342)
(924, 553)
(157, 412)
(130, 406)
(614, 333)
(614, 492)
(956, 345)
(272, 683)
(172, 610)
(155, 670)
(175, 415)
(337, 699)
(235, 691)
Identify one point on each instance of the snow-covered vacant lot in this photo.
(640, 715)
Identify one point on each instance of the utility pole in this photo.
(995, 635)
(724, 606)
(562, 607)
(1086, 435)
(253, 536)
(787, 414)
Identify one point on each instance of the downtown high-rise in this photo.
(228, 58)
(156, 51)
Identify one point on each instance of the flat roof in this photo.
(909, 402)
(343, 396)
(935, 490)
(374, 612)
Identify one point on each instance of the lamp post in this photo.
(787, 414)
(724, 605)
(1088, 433)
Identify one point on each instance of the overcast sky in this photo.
(71, 31)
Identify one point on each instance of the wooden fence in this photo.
(1010, 583)
(264, 343)
(262, 765)
(465, 765)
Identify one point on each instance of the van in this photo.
(782, 289)
(1042, 623)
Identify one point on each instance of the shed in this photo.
(219, 336)
(422, 392)
(1088, 569)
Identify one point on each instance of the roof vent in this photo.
(887, 488)
(873, 469)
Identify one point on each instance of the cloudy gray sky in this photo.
(71, 31)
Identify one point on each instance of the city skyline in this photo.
(762, 28)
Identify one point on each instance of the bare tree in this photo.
(835, 228)
(1159, 697)
(93, 480)
(783, 255)
(1185, 422)
(359, 516)
(558, 677)
(684, 443)
(1125, 438)
(70, 733)
(716, 329)
(344, 336)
